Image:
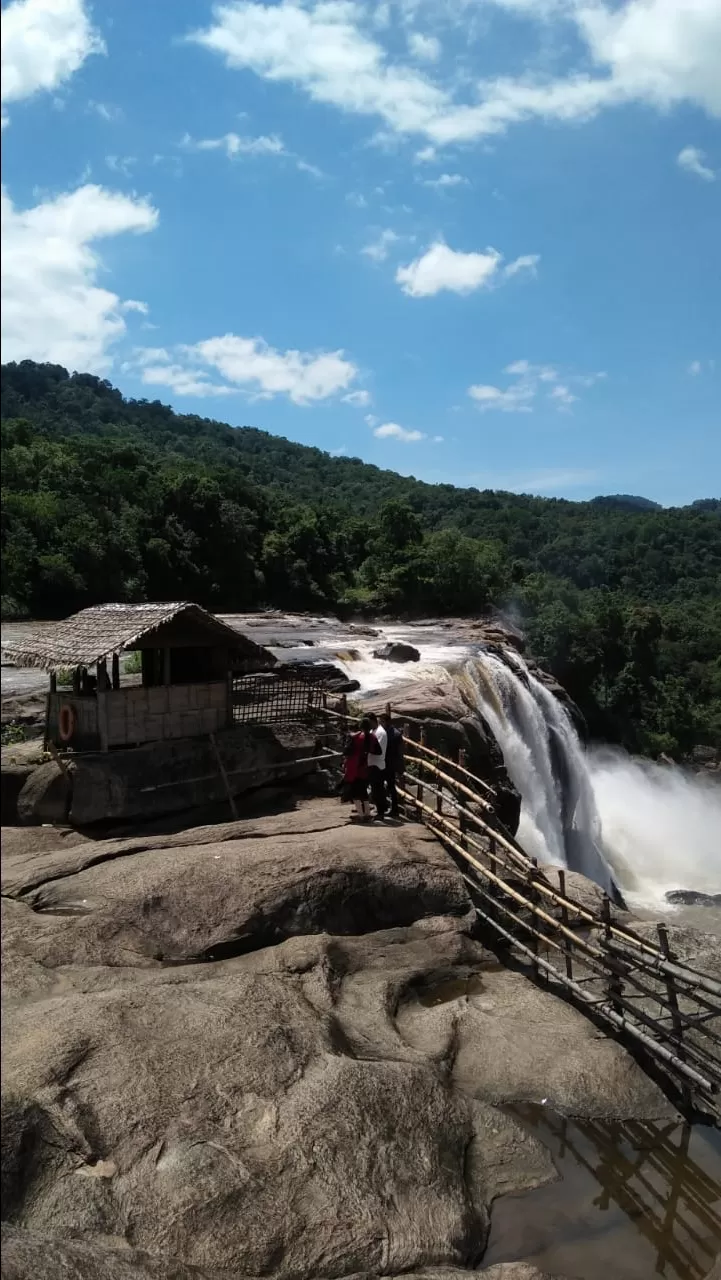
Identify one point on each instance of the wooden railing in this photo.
(665, 1009)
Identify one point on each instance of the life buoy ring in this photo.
(66, 722)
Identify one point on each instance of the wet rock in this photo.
(334, 678)
(361, 629)
(693, 898)
(394, 651)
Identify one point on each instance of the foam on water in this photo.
(661, 826)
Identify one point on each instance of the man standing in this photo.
(395, 762)
(377, 766)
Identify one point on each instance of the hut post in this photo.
(48, 699)
(166, 666)
(116, 671)
(76, 680)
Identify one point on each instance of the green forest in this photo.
(105, 498)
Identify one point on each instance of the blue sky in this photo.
(476, 241)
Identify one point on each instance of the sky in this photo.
(474, 241)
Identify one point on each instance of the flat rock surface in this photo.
(161, 899)
(271, 1048)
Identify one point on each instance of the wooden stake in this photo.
(615, 985)
(224, 776)
(532, 899)
(564, 918)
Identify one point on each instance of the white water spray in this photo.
(649, 828)
(544, 758)
(661, 826)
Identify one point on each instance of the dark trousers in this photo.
(392, 793)
(378, 792)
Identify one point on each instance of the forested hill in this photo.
(105, 498)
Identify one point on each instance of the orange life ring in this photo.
(66, 722)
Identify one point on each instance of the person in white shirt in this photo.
(377, 766)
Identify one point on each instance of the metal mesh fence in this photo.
(267, 697)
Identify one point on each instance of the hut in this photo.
(188, 659)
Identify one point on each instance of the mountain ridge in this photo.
(109, 498)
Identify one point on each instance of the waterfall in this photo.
(544, 757)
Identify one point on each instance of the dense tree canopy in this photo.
(105, 498)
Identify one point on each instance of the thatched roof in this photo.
(95, 634)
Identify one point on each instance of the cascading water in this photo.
(544, 758)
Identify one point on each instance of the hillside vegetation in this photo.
(111, 499)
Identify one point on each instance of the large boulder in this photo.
(332, 1105)
(230, 1115)
(693, 898)
(395, 651)
(232, 889)
(46, 795)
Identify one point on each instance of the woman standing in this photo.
(355, 768)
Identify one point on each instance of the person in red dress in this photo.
(355, 768)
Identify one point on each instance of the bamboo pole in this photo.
(461, 768)
(619, 1022)
(268, 768)
(223, 774)
(460, 786)
(617, 932)
(595, 958)
(564, 921)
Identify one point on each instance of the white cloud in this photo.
(527, 262)
(106, 110)
(183, 381)
(250, 365)
(692, 160)
(120, 164)
(695, 368)
(658, 52)
(132, 304)
(425, 48)
(391, 431)
(443, 268)
(312, 169)
(562, 396)
(379, 248)
(52, 306)
(359, 399)
(43, 43)
(233, 144)
(516, 399)
(531, 381)
(447, 180)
